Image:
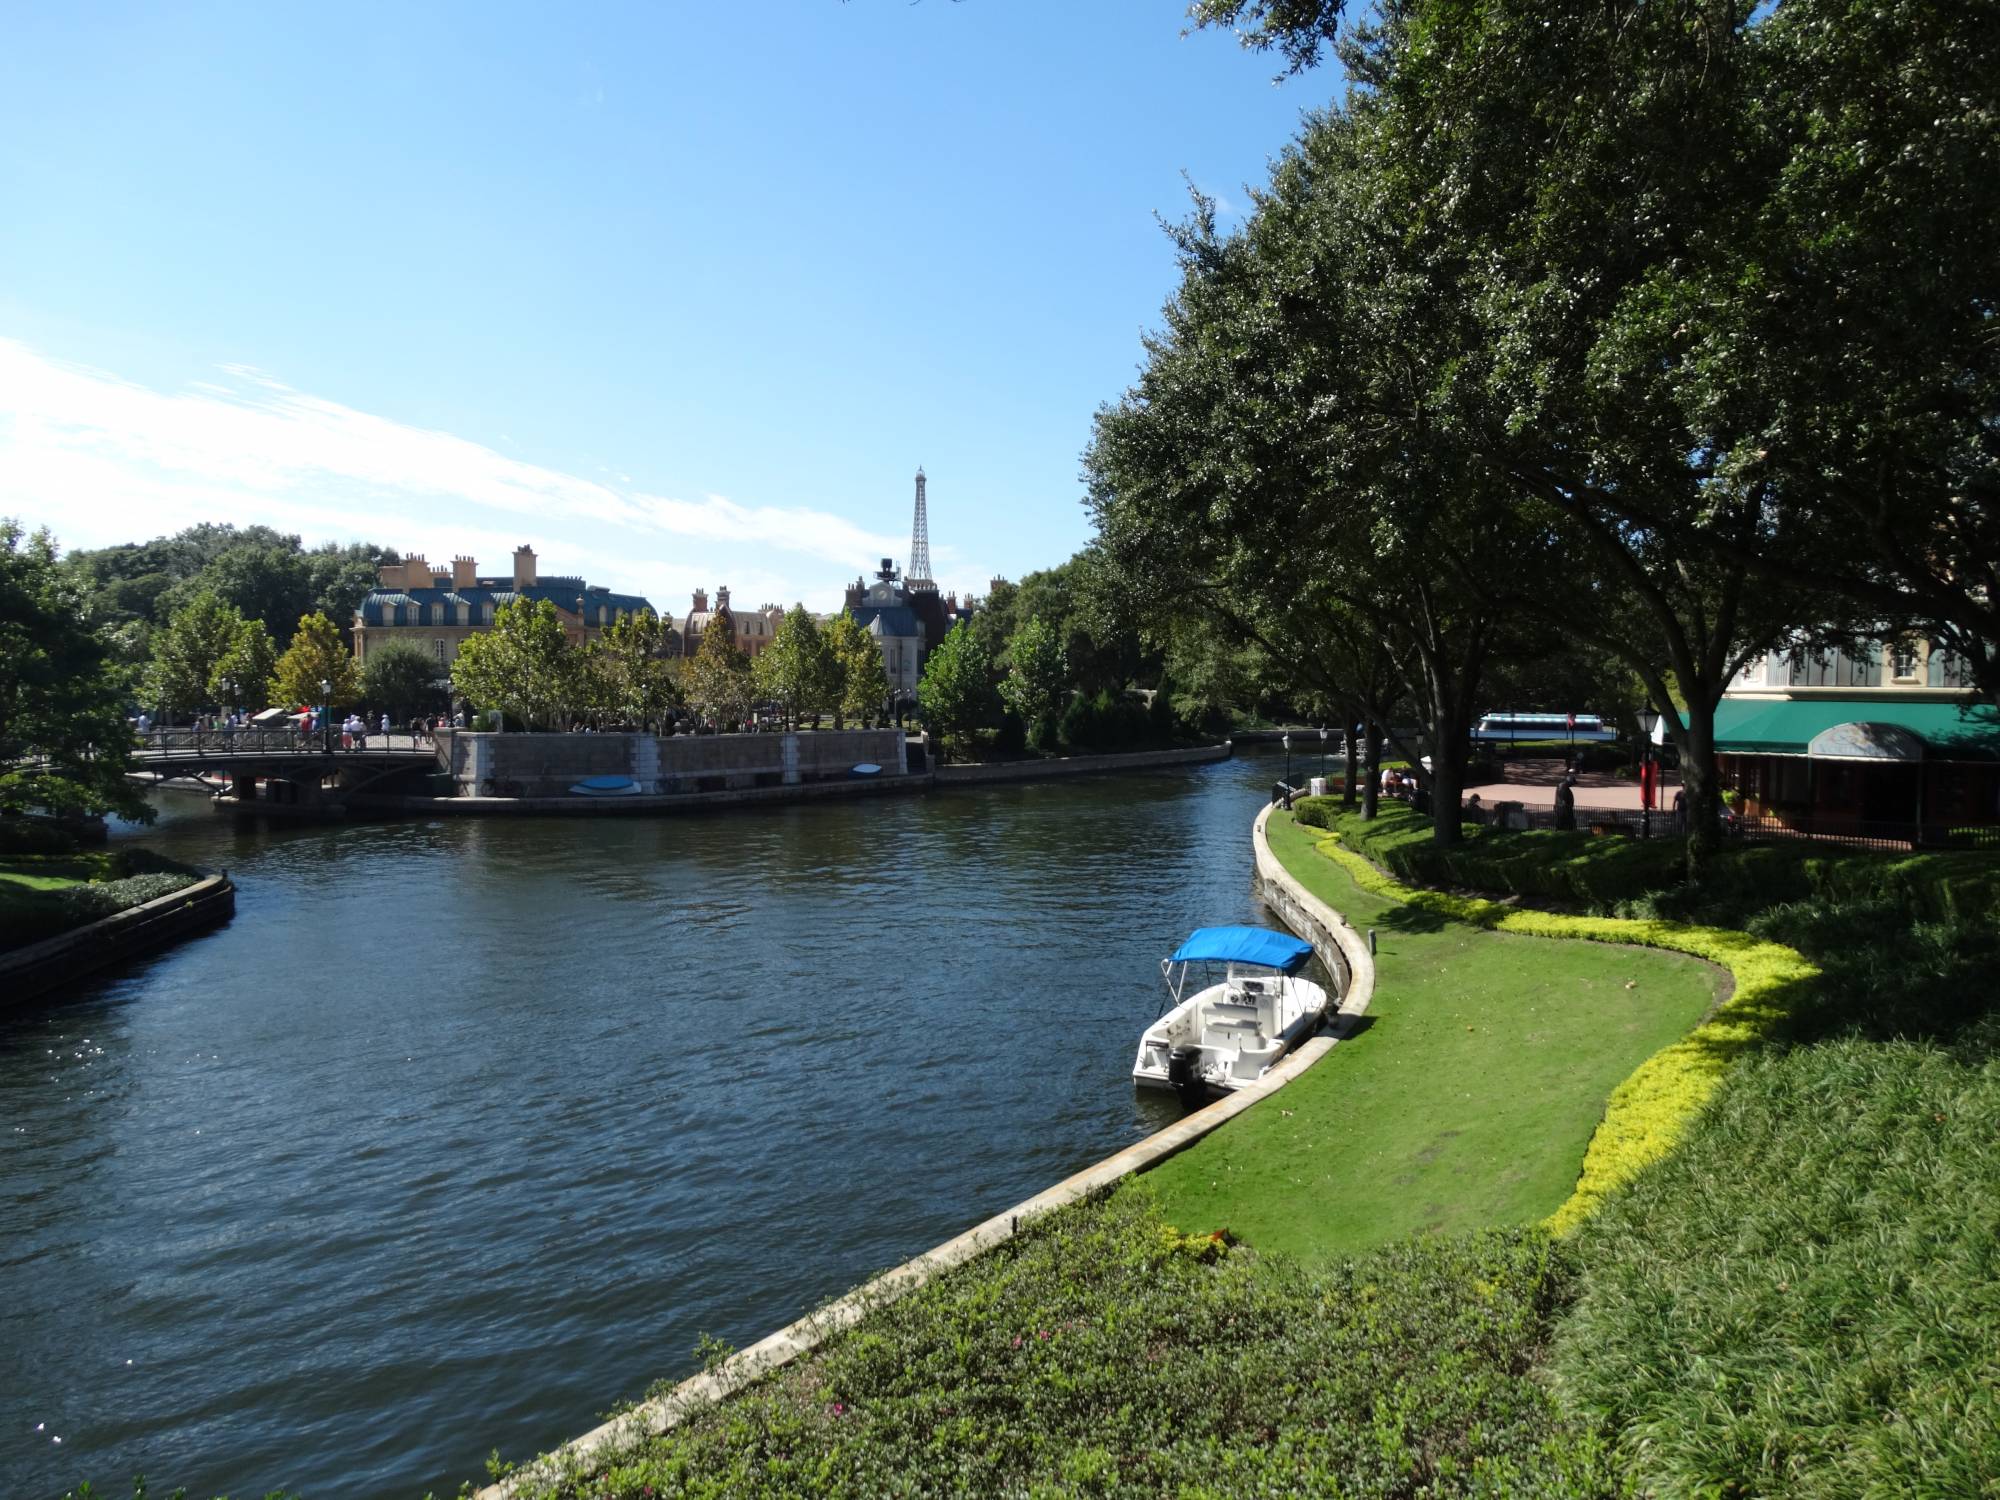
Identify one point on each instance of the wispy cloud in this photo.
(104, 459)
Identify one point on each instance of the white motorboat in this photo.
(1228, 1034)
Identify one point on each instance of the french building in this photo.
(1883, 739)
(435, 610)
(754, 627)
(884, 609)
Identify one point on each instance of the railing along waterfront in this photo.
(196, 743)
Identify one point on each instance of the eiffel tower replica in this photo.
(917, 576)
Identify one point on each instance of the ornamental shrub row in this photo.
(1651, 1109)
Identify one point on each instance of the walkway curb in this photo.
(1345, 954)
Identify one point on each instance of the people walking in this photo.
(1566, 803)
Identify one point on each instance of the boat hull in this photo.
(1236, 1032)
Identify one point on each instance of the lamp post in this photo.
(1322, 752)
(1649, 721)
(325, 692)
(1287, 738)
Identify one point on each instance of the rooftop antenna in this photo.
(919, 570)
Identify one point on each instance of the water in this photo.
(463, 1130)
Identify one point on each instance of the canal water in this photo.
(464, 1130)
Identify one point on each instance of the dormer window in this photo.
(1905, 658)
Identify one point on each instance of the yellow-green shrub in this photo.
(1647, 1113)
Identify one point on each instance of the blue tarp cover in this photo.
(1246, 945)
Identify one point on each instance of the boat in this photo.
(1228, 1034)
(606, 786)
(866, 768)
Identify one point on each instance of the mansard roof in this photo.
(561, 592)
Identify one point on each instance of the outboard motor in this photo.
(1181, 1065)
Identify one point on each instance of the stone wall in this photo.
(1075, 765)
(69, 956)
(547, 765)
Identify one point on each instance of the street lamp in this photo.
(1322, 752)
(1287, 738)
(1649, 723)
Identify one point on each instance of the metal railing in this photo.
(1845, 831)
(195, 743)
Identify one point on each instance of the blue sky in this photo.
(680, 294)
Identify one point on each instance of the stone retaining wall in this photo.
(68, 956)
(1341, 949)
(1075, 765)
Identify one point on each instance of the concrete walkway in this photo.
(1532, 783)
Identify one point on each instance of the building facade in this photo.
(1884, 739)
(435, 610)
(754, 627)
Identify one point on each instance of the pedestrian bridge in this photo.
(280, 766)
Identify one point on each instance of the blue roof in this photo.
(561, 592)
(1246, 945)
(897, 619)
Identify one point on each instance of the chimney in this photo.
(416, 572)
(722, 597)
(701, 601)
(524, 566)
(855, 591)
(464, 573)
(389, 575)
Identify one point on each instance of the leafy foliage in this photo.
(955, 694)
(796, 670)
(1037, 681)
(189, 652)
(718, 683)
(864, 682)
(1800, 1301)
(64, 742)
(318, 654)
(630, 676)
(401, 680)
(1103, 1352)
(523, 665)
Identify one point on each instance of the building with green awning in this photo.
(1810, 726)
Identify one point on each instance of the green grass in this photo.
(1098, 1353)
(44, 895)
(1467, 1102)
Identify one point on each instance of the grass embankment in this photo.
(42, 895)
(1101, 1353)
(1469, 1099)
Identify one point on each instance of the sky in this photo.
(680, 295)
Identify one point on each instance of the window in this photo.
(437, 649)
(486, 612)
(437, 614)
(464, 613)
(1905, 661)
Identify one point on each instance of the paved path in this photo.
(1532, 783)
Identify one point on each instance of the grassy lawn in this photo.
(1466, 1103)
(42, 895)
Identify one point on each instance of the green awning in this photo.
(1763, 726)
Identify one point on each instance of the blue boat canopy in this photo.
(1245, 945)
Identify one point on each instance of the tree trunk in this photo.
(1447, 778)
(1703, 787)
(1371, 772)
(1353, 769)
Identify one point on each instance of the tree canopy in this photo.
(65, 745)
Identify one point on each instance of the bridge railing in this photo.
(195, 743)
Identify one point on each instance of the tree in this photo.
(864, 682)
(796, 670)
(718, 679)
(523, 666)
(242, 679)
(188, 652)
(1037, 684)
(316, 655)
(955, 694)
(631, 672)
(402, 681)
(65, 746)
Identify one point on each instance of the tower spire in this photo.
(920, 539)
